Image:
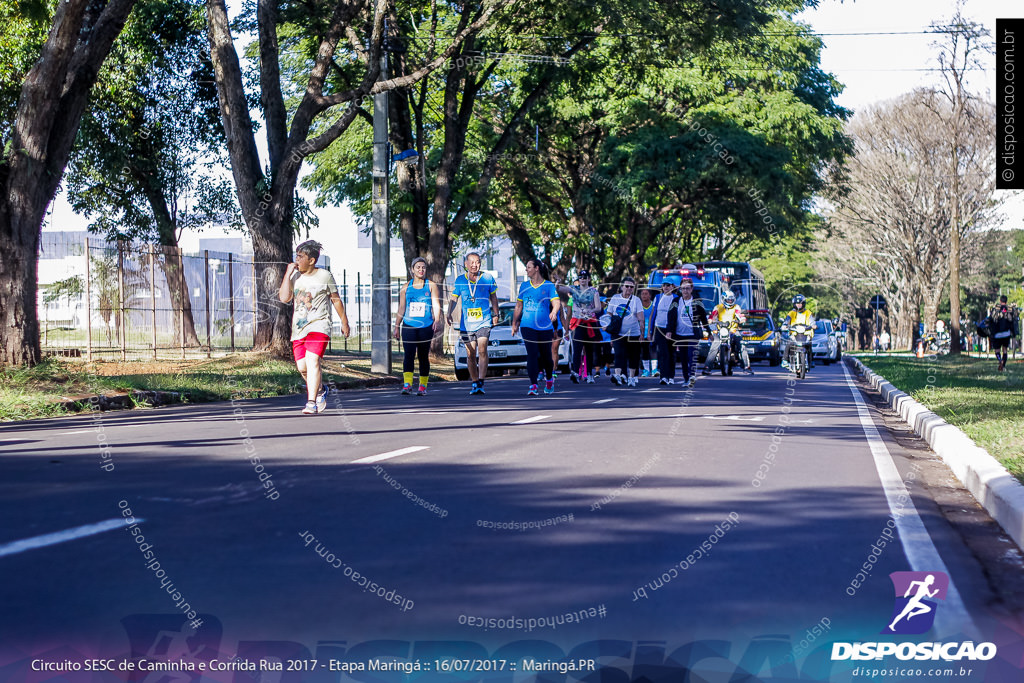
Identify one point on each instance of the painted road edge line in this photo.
(917, 543)
(535, 418)
(15, 547)
(989, 482)
(387, 456)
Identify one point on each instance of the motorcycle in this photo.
(796, 352)
(728, 353)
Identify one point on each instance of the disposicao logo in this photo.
(914, 611)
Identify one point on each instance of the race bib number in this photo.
(474, 315)
(417, 309)
(530, 305)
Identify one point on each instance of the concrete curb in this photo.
(128, 400)
(990, 483)
(123, 401)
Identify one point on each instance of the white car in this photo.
(824, 344)
(505, 352)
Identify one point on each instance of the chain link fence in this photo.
(99, 299)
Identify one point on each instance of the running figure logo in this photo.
(913, 612)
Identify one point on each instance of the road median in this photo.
(992, 484)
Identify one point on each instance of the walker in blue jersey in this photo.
(537, 307)
(476, 295)
(418, 319)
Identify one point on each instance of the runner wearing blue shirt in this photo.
(477, 295)
(417, 320)
(537, 307)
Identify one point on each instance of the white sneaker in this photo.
(634, 382)
(590, 379)
(670, 380)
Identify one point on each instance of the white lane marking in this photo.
(355, 400)
(390, 454)
(603, 400)
(15, 547)
(647, 391)
(528, 420)
(917, 544)
(752, 418)
(423, 412)
(78, 431)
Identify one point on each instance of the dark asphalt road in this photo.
(624, 486)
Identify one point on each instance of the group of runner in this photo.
(655, 331)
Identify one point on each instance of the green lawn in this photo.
(969, 393)
(40, 391)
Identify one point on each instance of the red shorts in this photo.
(314, 342)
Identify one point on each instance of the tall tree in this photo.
(473, 125)
(144, 166)
(348, 37)
(652, 169)
(36, 136)
(891, 220)
(964, 44)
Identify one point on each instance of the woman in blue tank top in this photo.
(419, 317)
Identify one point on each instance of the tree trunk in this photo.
(954, 260)
(274, 319)
(172, 265)
(50, 105)
(18, 315)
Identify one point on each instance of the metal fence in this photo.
(121, 300)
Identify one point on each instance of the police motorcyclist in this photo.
(799, 316)
(727, 313)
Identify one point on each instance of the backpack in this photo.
(613, 324)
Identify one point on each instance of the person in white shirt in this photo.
(688, 322)
(666, 350)
(627, 346)
(313, 292)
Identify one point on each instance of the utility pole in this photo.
(380, 301)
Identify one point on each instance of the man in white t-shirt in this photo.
(314, 292)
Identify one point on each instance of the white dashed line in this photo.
(386, 456)
(604, 400)
(15, 547)
(528, 420)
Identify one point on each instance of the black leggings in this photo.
(627, 354)
(666, 354)
(538, 352)
(585, 340)
(416, 341)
